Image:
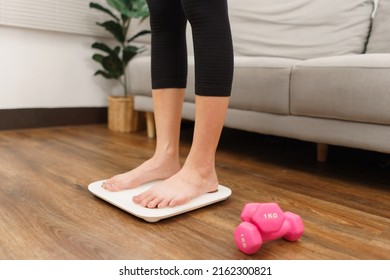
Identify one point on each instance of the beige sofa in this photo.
(313, 70)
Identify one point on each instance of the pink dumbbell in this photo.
(264, 222)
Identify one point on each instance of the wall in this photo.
(45, 69)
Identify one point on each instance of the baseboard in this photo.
(46, 117)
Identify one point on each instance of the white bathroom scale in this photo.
(123, 200)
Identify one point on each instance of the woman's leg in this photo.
(213, 74)
(165, 161)
(198, 175)
(169, 74)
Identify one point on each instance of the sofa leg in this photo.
(322, 152)
(150, 125)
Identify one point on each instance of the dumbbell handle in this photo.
(285, 230)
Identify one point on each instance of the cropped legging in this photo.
(213, 47)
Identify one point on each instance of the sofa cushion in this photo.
(379, 41)
(353, 88)
(139, 73)
(300, 29)
(261, 84)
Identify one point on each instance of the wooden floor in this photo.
(46, 211)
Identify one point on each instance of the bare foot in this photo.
(150, 170)
(178, 189)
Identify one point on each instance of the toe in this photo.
(143, 199)
(139, 198)
(164, 203)
(154, 203)
(107, 185)
(177, 201)
(112, 187)
(144, 203)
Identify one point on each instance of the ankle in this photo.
(167, 151)
(203, 168)
(166, 159)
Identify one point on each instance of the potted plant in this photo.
(114, 60)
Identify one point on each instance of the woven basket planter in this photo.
(121, 114)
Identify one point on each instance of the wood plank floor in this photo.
(46, 211)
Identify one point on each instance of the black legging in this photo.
(213, 47)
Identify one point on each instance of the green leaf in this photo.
(119, 5)
(141, 49)
(143, 32)
(128, 3)
(128, 53)
(113, 65)
(138, 14)
(103, 47)
(141, 8)
(138, 4)
(117, 50)
(104, 74)
(115, 29)
(98, 57)
(138, 8)
(101, 8)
